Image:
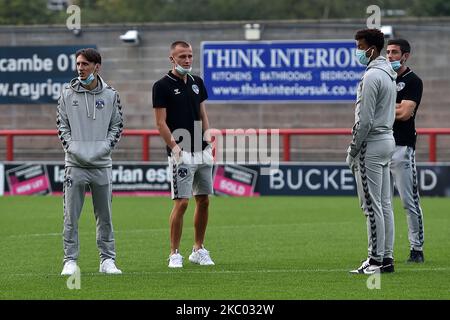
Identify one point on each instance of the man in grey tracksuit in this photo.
(371, 149)
(89, 121)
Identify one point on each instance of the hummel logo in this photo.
(75, 103)
(176, 91)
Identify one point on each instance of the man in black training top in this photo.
(403, 163)
(179, 104)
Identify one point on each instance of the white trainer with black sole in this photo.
(368, 266)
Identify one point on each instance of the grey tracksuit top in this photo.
(375, 105)
(89, 124)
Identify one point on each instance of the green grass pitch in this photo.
(264, 248)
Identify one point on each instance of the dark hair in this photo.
(402, 43)
(90, 54)
(373, 37)
(182, 43)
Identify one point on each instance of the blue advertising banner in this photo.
(280, 71)
(32, 75)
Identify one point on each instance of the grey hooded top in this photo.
(89, 124)
(375, 105)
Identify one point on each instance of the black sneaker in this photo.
(388, 265)
(369, 266)
(416, 256)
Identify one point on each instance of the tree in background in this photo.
(19, 12)
(435, 8)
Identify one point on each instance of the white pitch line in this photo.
(217, 272)
(59, 234)
(34, 235)
(55, 234)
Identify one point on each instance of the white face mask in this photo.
(181, 71)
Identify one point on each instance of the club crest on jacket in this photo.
(99, 104)
(182, 172)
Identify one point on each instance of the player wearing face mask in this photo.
(90, 124)
(403, 164)
(180, 113)
(371, 149)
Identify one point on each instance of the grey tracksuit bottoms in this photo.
(374, 192)
(99, 181)
(404, 174)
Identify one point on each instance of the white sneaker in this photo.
(70, 267)
(175, 260)
(108, 266)
(201, 257)
(368, 266)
